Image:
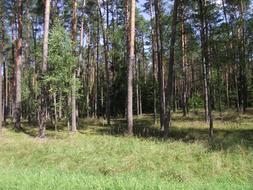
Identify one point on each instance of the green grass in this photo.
(99, 158)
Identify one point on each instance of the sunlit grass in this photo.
(97, 157)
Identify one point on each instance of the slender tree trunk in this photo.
(55, 112)
(167, 123)
(183, 44)
(6, 90)
(73, 90)
(44, 95)
(87, 73)
(130, 69)
(28, 28)
(206, 66)
(13, 83)
(137, 88)
(242, 54)
(144, 60)
(154, 63)
(97, 69)
(17, 110)
(1, 91)
(81, 62)
(1, 64)
(160, 62)
(107, 65)
(60, 105)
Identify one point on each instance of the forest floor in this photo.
(101, 157)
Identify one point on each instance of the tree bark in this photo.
(167, 123)
(73, 90)
(154, 63)
(130, 69)
(184, 58)
(44, 95)
(206, 66)
(107, 65)
(160, 61)
(17, 110)
(1, 64)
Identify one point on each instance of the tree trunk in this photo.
(97, 110)
(242, 59)
(55, 112)
(13, 84)
(17, 110)
(107, 65)
(73, 90)
(206, 66)
(130, 69)
(160, 62)
(137, 88)
(1, 74)
(183, 46)
(154, 63)
(167, 123)
(44, 95)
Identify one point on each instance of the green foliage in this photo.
(61, 60)
(195, 101)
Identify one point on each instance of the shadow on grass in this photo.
(224, 138)
(144, 128)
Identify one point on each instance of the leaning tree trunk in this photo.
(130, 70)
(44, 96)
(167, 123)
(17, 110)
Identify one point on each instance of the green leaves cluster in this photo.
(61, 60)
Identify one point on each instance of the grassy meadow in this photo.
(101, 157)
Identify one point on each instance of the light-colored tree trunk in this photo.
(97, 110)
(130, 69)
(60, 105)
(73, 90)
(43, 111)
(17, 110)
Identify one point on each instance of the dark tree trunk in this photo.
(167, 123)
(184, 60)
(1, 64)
(160, 62)
(154, 63)
(107, 64)
(206, 66)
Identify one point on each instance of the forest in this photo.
(126, 94)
